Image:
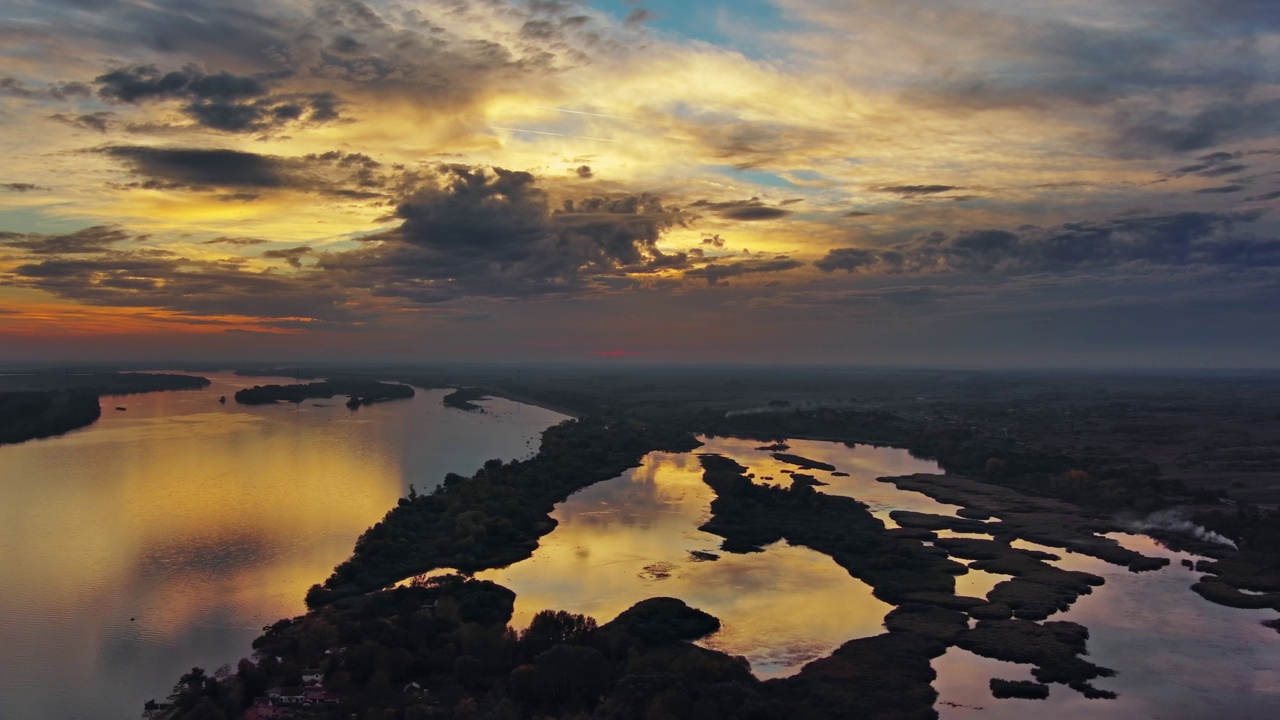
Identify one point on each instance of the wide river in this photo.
(166, 535)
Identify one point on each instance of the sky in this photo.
(869, 182)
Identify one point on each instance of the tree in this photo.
(553, 627)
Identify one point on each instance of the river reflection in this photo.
(1177, 655)
(166, 535)
(636, 536)
(862, 464)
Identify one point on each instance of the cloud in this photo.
(638, 17)
(1208, 126)
(745, 210)
(1220, 189)
(715, 273)
(20, 187)
(915, 190)
(1177, 240)
(491, 232)
(220, 101)
(86, 266)
(53, 91)
(89, 240)
(293, 255)
(234, 241)
(348, 175)
(99, 121)
(1149, 77)
(848, 259)
(204, 168)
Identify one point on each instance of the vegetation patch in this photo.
(1025, 689)
(361, 392)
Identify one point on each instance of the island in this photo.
(360, 391)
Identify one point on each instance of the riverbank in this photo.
(40, 405)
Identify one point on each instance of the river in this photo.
(166, 535)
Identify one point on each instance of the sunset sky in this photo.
(977, 182)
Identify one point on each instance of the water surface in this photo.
(1177, 655)
(636, 536)
(166, 535)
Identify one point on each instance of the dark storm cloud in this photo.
(492, 233)
(717, 272)
(465, 232)
(19, 187)
(222, 100)
(201, 168)
(856, 214)
(89, 240)
(1188, 239)
(344, 175)
(746, 210)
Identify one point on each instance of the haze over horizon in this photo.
(1063, 184)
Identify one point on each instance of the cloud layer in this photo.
(553, 168)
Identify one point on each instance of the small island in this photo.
(463, 399)
(361, 392)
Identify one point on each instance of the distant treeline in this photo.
(1108, 481)
(361, 392)
(44, 404)
(30, 415)
(102, 383)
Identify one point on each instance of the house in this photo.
(312, 676)
(286, 696)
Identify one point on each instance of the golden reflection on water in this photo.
(631, 538)
(863, 464)
(168, 534)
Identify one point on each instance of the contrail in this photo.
(542, 132)
(580, 112)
